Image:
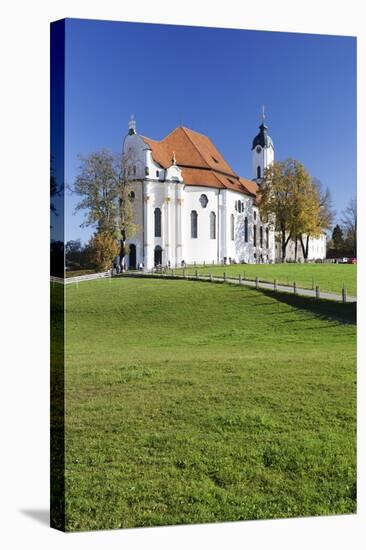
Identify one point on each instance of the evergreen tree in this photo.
(338, 240)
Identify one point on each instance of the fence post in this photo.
(204, 263)
(317, 292)
(256, 282)
(312, 283)
(196, 274)
(211, 277)
(184, 272)
(224, 276)
(275, 284)
(344, 294)
(240, 279)
(295, 290)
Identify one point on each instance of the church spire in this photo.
(262, 139)
(263, 127)
(132, 125)
(262, 150)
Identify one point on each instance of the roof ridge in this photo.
(194, 131)
(233, 173)
(195, 146)
(161, 140)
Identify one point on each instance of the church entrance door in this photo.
(132, 256)
(158, 255)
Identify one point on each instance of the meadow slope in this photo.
(192, 402)
(329, 277)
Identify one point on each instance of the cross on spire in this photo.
(263, 114)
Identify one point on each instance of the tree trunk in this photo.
(295, 249)
(302, 247)
(284, 243)
(307, 247)
(122, 250)
(283, 246)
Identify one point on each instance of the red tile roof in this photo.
(201, 163)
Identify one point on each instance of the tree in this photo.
(73, 246)
(288, 200)
(73, 253)
(105, 187)
(102, 250)
(320, 219)
(338, 240)
(349, 223)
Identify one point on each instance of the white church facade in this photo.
(190, 207)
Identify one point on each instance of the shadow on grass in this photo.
(345, 313)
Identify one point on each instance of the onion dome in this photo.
(262, 139)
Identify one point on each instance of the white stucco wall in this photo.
(263, 159)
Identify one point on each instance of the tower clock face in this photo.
(258, 149)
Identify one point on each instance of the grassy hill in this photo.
(189, 402)
(329, 277)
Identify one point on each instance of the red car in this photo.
(352, 260)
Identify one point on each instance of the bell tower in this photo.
(262, 151)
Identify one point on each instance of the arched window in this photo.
(232, 227)
(212, 225)
(254, 235)
(194, 224)
(246, 229)
(203, 201)
(258, 172)
(267, 237)
(261, 236)
(157, 222)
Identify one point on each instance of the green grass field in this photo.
(191, 402)
(329, 277)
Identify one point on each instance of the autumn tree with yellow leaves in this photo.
(294, 204)
(102, 250)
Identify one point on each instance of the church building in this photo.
(190, 206)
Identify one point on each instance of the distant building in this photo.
(317, 249)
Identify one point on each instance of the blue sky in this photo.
(215, 82)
